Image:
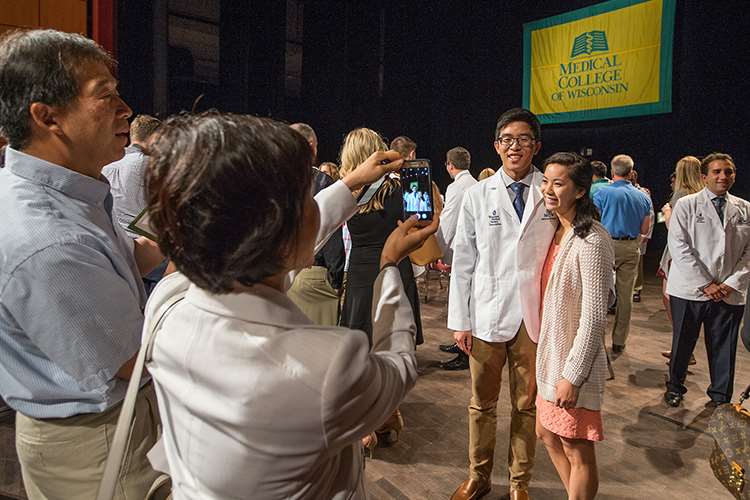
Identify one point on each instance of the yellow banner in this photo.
(609, 60)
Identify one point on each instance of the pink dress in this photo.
(570, 423)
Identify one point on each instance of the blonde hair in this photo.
(358, 145)
(487, 172)
(687, 177)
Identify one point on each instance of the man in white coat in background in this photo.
(501, 242)
(457, 163)
(709, 241)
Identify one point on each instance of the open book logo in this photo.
(589, 42)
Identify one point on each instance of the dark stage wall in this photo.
(449, 69)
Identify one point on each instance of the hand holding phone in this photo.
(379, 164)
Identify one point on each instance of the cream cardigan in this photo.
(574, 318)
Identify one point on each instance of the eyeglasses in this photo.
(507, 141)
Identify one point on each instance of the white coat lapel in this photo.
(534, 199)
(732, 212)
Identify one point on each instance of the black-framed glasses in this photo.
(507, 141)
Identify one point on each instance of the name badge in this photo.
(495, 219)
(699, 219)
(547, 215)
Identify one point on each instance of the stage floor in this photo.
(650, 451)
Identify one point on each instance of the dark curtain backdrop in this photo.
(442, 72)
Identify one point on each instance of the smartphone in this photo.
(369, 191)
(416, 188)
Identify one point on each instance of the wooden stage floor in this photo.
(649, 451)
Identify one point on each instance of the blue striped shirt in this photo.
(71, 297)
(126, 179)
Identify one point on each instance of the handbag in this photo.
(730, 459)
(162, 486)
(428, 253)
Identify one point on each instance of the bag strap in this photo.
(125, 419)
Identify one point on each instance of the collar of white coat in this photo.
(711, 195)
(527, 181)
(461, 174)
(262, 304)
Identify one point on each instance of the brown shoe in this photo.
(390, 430)
(519, 495)
(471, 489)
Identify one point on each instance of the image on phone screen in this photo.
(416, 187)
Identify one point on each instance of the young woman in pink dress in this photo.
(571, 363)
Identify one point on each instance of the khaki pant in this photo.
(64, 458)
(315, 297)
(638, 287)
(486, 366)
(626, 269)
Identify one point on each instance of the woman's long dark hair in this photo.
(580, 172)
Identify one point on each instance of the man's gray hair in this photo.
(40, 66)
(307, 132)
(622, 165)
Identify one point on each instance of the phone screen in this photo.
(416, 187)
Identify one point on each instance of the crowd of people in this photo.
(288, 314)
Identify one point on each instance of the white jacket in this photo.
(705, 250)
(256, 401)
(497, 262)
(454, 196)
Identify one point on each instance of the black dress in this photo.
(369, 232)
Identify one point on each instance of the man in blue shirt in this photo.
(625, 213)
(127, 179)
(71, 295)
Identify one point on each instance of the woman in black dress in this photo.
(369, 229)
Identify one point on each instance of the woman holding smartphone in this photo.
(369, 229)
(257, 401)
(571, 364)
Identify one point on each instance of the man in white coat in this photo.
(501, 242)
(457, 163)
(709, 240)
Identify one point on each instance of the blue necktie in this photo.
(719, 206)
(518, 203)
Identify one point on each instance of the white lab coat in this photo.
(497, 262)
(412, 202)
(703, 250)
(454, 196)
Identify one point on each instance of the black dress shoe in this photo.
(451, 348)
(637, 297)
(617, 349)
(672, 399)
(460, 362)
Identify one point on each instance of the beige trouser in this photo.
(626, 269)
(64, 458)
(313, 294)
(638, 287)
(486, 366)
